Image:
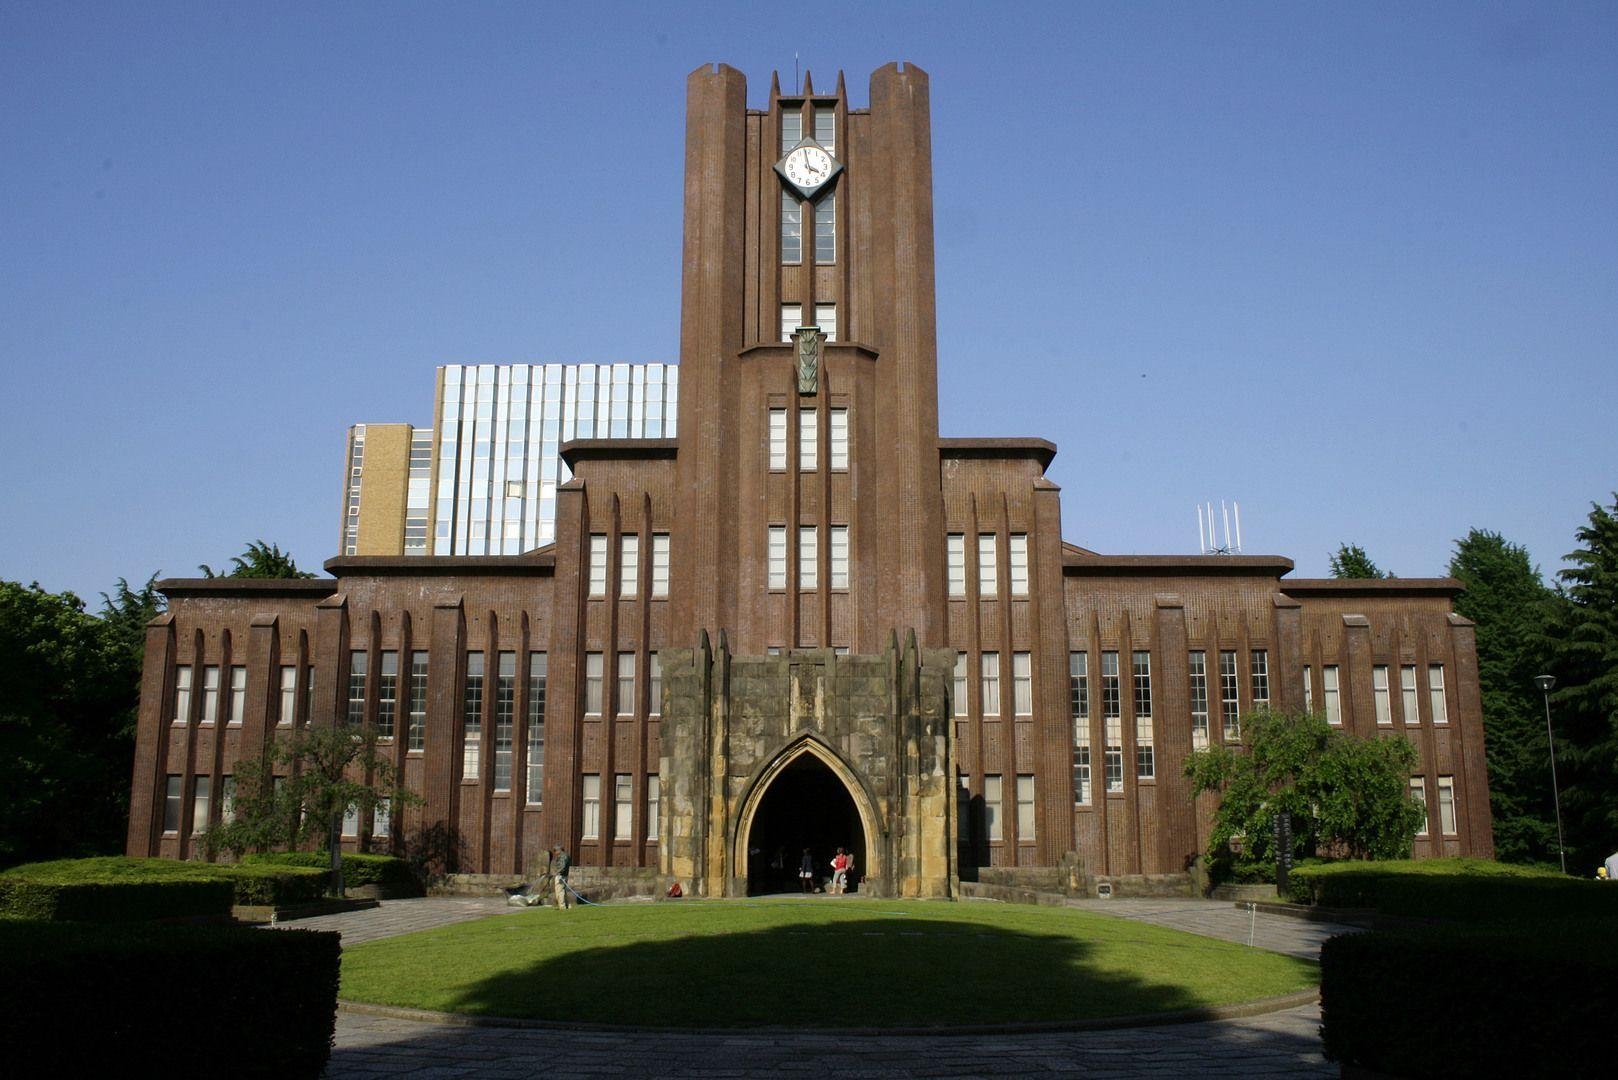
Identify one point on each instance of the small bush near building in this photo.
(1452, 889)
(88, 1000)
(385, 870)
(1526, 999)
(118, 889)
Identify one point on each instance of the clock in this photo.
(808, 167)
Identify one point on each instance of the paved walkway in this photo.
(1284, 1043)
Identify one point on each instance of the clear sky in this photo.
(1353, 266)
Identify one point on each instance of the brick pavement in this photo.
(1284, 1043)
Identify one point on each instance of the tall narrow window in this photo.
(1435, 693)
(227, 799)
(1308, 688)
(237, 708)
(839, 439)
(1141, 665)
(1333, 701)
(383, 825)
(598, 564)
(1111, 713)
(791, 228)
(1379, 691)
(628, 565)
(416, 737)
(357, 663)
(210, 694)
(791, 319)
(988, 571)
(590, 790)
(1078, 685)
(1017, 563)
(472, 716)
(839, 556)
(1025, 809)
(201, 793)
(1407, 694)
(660, 565)
(505, 709)
(778, 439)
(1418, 795)
(308, 692)
(826, 234)
(777, 576)
(538, 672)
(990, 666)
(1022, 683)
(351, 820)
(594, 673)
(171, 805)
(1199, 700)
(654, 804)
(826, 127)
(626, 684)
(1446, 805)
(182, 696)
(1145, 754)
(654, 684)
(623, 807)
(808, 439)
(808, 558)
(387, 695)
(993, 798)
(1081, 762)
(287, 709)
(955, 551)
(1259, 665)
(826, 319)
(1230, 702)
(960, 684)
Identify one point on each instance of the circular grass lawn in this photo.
(821, 963)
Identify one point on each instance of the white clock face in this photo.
(808, 167)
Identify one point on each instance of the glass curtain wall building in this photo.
(483, 479)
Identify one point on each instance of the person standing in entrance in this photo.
(806, 871)
(839, 872)
(560, 865)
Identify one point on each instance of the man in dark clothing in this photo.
(560, 864)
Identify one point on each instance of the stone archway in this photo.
(806, 798)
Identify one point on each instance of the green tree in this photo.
(1512, 607)
(260, 560)
(1351, 561)
(1583, 652)
(324, 771)
(1346, 796)
(69, 685)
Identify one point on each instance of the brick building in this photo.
(808, 620)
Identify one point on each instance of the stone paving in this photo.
(1284, 1043)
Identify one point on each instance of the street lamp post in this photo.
(1545, 682)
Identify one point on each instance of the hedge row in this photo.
(1452, 889)
(1528, 999)
(387, 870)
(116, 889)
(84, 1000)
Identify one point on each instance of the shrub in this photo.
(181, 1001)
(1453, 889)
(113, 889)
(275, 886)
(358, 870)
(1499, 1002)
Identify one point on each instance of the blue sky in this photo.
(1353, 266)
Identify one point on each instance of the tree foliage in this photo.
(1583, 653)
(1346, 796)
(260, 560)
(1351, 561)
(1512, 607)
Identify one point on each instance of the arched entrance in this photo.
(805, 805)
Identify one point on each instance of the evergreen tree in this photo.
(1512, 607)
(260, 560)
(1584, 658)
(1351, 561)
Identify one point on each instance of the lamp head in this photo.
(1545, 682)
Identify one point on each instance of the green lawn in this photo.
(818, 963)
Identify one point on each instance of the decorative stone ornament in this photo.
(808, 359)
(808, 167)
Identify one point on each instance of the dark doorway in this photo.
(806, 806)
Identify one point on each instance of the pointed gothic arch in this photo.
(809, 746)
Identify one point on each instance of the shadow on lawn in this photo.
(858, 973)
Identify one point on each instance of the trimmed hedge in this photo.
(1452, 889)
(118, 889)
(84, 1000)
(1527, 999)
(358, 870)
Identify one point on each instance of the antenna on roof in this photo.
(1209, 528)
(797, 87)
